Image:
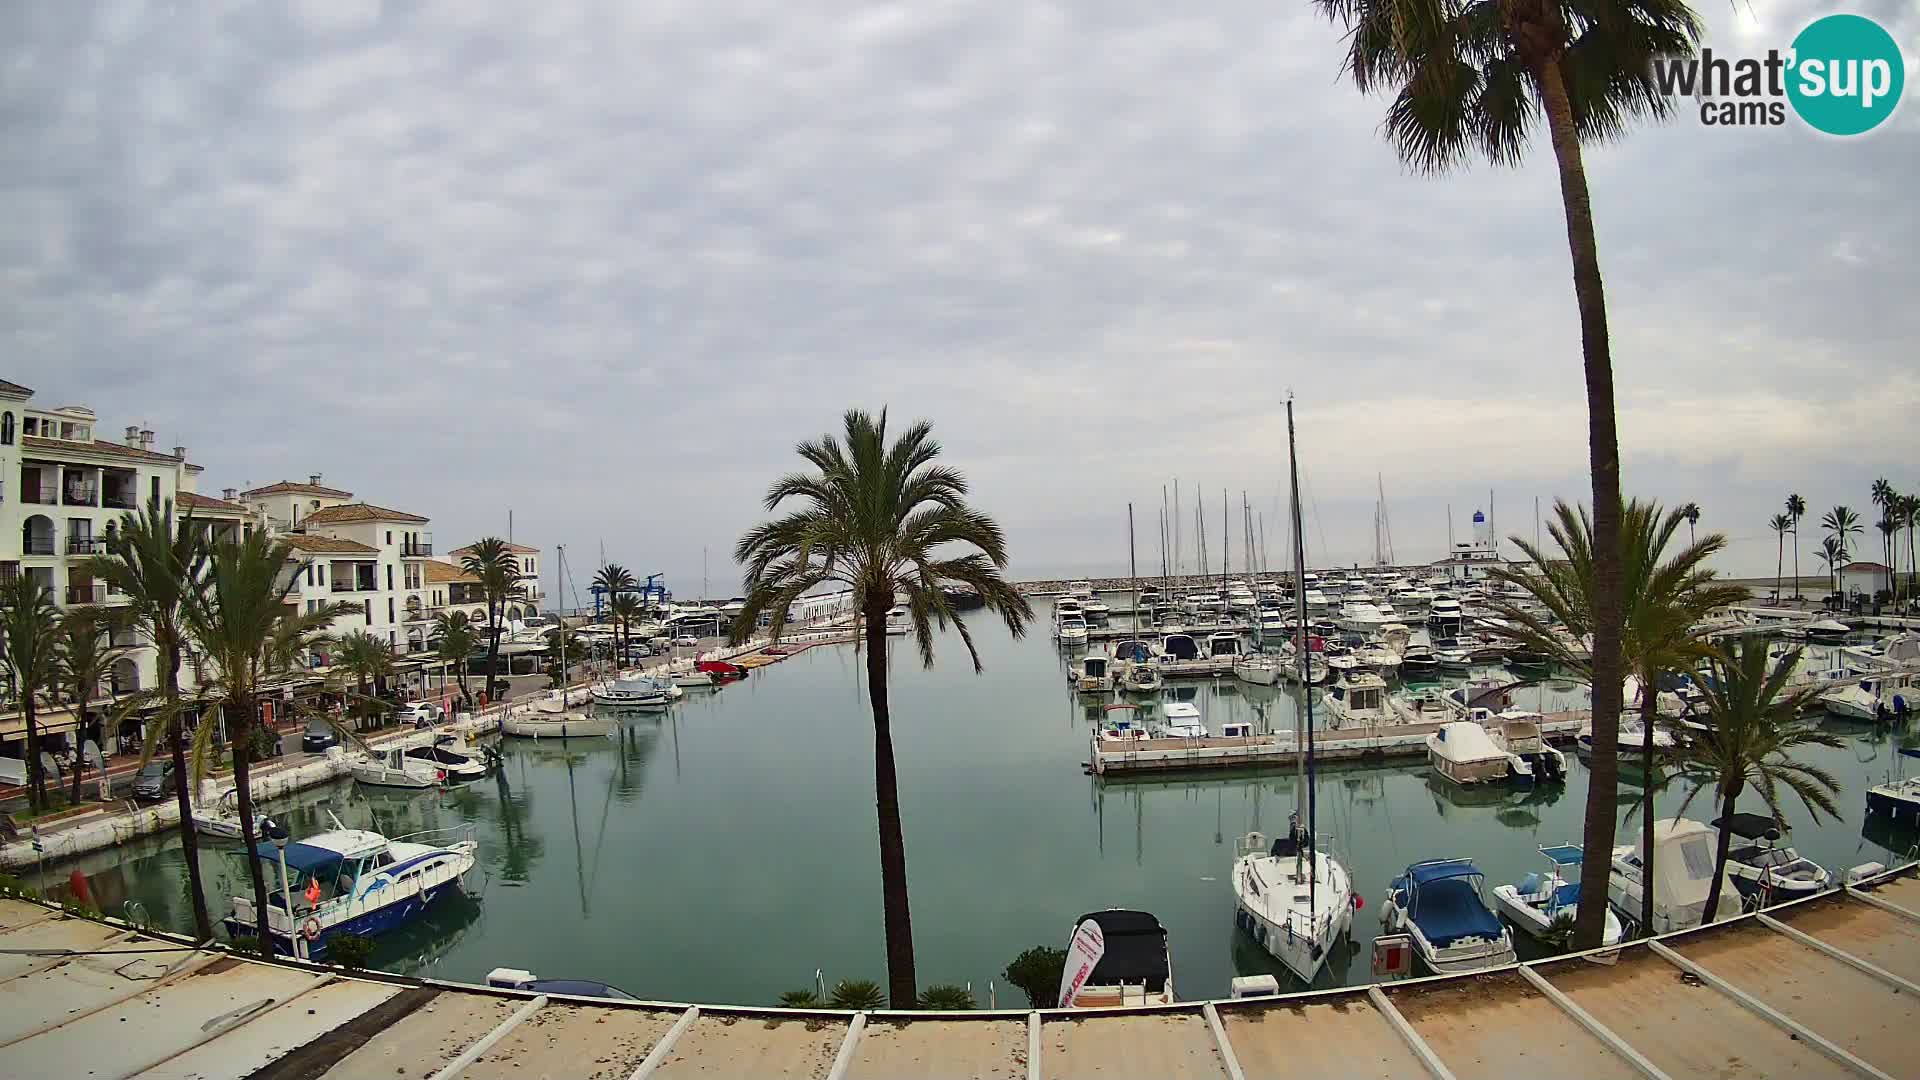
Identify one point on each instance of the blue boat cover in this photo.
(1440, 869)
(304, 858)
(1563, 854)
(1567, 895)
(1449, 909)
(1911, 751)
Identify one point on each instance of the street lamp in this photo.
(277, 833)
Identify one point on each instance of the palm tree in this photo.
(1910, 518)
(626, 610)
(1755, 726)
(492, 564)
(1841, 523)
(1887, 500)
(246, 626)
(85, 656)
(1691, 512)
(367, 659)
(1832, 554)
(156, 561)
(1780, 524)
(1796, 509)
(28, 647)
(885, 521)
(1667, 596)
(1887, 527)
(453, 639)
(1470, 77)
(614, 581)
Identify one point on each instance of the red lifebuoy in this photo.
(310, 929)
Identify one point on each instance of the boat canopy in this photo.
(1445, 902)
(305, 858)
(1136, 949)
(1564, 854)
(1135, 651)
(1749, 826)
(1910, 751)
(1433, 870)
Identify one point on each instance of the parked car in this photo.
(686, 641)
(154, 781)
(421, 713)
(318, 737)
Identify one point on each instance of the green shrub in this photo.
(947, 997)
(350, 951)
(857, 994)
(1037, 973)
(800, 999)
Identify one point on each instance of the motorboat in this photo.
(1525, 658)
(684, 674)
(1826, 631)
(1181, 720)
(1141, 677)
(1438, 904)
(1426, 706)
(1092, 675)
(1361, 616)
(1667, 703)
(1068, 605)
(899, 621)
(1179, 647)
(526, 981)
(1445, 613)
(353, 881)
(1762, 866)
(1257, 669)
(1543, 903)
(1493, 692)
(1418, 664)
(1080, 590)
(1530, 759)
(1899, 797)
(1095, 609)
(1410, 597)
(574, 724)
(1237, 729)
(1377, 658)
(1683, 874)
(1223, 645)
(1633, 739)
(1463, 752)
(1359, 699)
(1120, 725)
(1071, 630)
(222, 820)
(632, 691)
(393, 768)
(723, 671)
(1877, 697)
(459, 767)
(1317, 602)
(1135, 968)
(1318, 673)
(1292, 898)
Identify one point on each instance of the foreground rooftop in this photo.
(1828, 986)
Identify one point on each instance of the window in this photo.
(389, 537)
(6, 429)
(389, 604)
(366, 609)
(154, 488)
(389, 574)
(309, 578)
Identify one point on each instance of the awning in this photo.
(1441, 870)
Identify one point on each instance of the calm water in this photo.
(726, 850)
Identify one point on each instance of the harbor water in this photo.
(726, 850)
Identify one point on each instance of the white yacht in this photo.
(1181, 720)
(1359, 699)
(1071, 630)
(1223, 645)
(1092, 675)
(1317, 602)
(1899, 797)
(1462, 752)
(570, 724)
(1764, 867)
(1294, 900)
(1683, 873)
(1530, 758)
(1177, 647)
(1444, 612)
(1068, 605)
(632, 691)
(1095, 609)
(1135, 969)
(222, 820)
(1081, 590)
(1538, 901)
(1198, 602)
(1361, 616)
(1258, 669)
(460, 768)
(393, 768)
(1438, 903)
(1895, 692)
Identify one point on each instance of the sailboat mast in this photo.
(1303, 763)
(1133, 566)
(1176, 527)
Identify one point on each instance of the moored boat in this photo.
(1135, 968)
(1438, 904)
(1540, 903)
(1762, 866)
(575, 724)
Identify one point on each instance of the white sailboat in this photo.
(1293, 896)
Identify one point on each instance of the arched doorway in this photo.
(37, 535)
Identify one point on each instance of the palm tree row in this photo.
(1899, 513)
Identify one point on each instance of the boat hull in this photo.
(368, 924)
(581, 727)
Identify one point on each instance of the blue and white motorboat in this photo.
(1438, 904)
(1539, 900)
(1762, 866)
(353, 881)
(633, 691)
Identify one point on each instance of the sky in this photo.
(602, 266)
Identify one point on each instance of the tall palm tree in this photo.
(1796, 509)
(1667, 595)
(1834, 556)
(453, 639)
(1887, 527)
(626, 610)
(367, 659)
(1691, 512)
(1841, 524)
(614, 581)
(1755, 726)
(1910, 518)
(156, 561)
(883, 520)
(85, 655)
(1470, 78)
(1780, 524)
(492, 564)
(1887, 500)
(29, 649)
(249, 629)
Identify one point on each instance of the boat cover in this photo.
(1564, 854)
(1136, 949)
(1749, 826)
(304, 858)
(1449, 909)
(1135, 651)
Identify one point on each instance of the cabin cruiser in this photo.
(1181, 720)
(1179, 647)
(686, 674)
(1240, 598)
(1376, 657)
(1899, 797)
(632, 691)
(1081, 590)
(1633, 739)
(1257, 669)
(353, 881)
(1358, 699)
(1417, 663)
(1762, 866)
(1888, 695)
(1068, 605)
(1223, 645)
(1198, 602)
(459, 768)
(1361, 616)
(1463, 752)
(1493, 692)
(393, 768)
(1092, 675)
(1317, 602)
(1135, 969)
(1428, 706)
(1318, 673)
(571, 724)
(1071, 630)
(1531, 759)
(222, 820)
(1293, 899)
(1683, 873)
(1438, 903)
(1410, 597)
(1540, 901)
(1445, 613)
(1133, 670)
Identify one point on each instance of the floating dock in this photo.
(1109, 757)
(1826, 986)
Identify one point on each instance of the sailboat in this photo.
(1293, 898)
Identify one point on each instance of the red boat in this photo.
(721, 669)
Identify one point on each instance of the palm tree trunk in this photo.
(1649, 706)
(902, 988)
(493, 649)
(79, 746)
(1719, 856)
(1779, 560)
(1604, 456)
(189, 839)
(243, 794)
(1796, 561)
(36, 777)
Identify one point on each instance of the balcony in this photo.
(416, 549)
(120, 500)
(78, 495)
(86, 545)
(87, 594)
(348, 586)
(37, 545)
(38, 497)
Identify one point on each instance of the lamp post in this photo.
(277, 833)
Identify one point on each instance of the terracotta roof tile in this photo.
(327, 545)
(97, 446)
(439, 573)
(356, 512)
(288, 487)
(201, 502)
(14, 388)
(518, 549)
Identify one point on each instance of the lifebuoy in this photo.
(310, 929)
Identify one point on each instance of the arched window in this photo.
(6, 429)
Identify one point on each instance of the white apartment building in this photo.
(451, 588)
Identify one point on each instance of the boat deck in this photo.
(1821, 987)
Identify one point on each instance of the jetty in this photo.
(1114, 757)
(1824, 986)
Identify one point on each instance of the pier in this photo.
(1112, 757)
(1825, 986)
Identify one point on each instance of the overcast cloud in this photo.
(604, 264)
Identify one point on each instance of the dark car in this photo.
(318, 737)
(154, 781)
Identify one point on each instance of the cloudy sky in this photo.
(603, 265)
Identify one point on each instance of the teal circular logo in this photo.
(1846, 75)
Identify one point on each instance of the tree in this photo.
(800, 999)
(614, 581)
(85, 655)
(1834, 556)
(856, 994)
(1755, 724)
(1471, 78)
(885, 521)
(1888, 500)
(156, 562)
(1887, 527)
(497, 572)
(246, 626)
(1691, 512)
(1666, 597)
(28, 647)
(1841, 525)
(1910, 518)
(626, 609)
(1796, 509)
(367, 659)
(1037, 973)
(453, 641)
(1780, 524)
(948, 997)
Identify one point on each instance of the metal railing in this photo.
(40, 498)
(416, 548)
(84, 497)
(86, 594)
(114, 501)
(86, 545)
(37, 545)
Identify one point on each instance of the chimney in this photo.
(133, 434)
(229, 493)
(180, 452)
(146, 438)
(314, 479)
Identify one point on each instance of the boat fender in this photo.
(310, 929)
(1358, 903)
